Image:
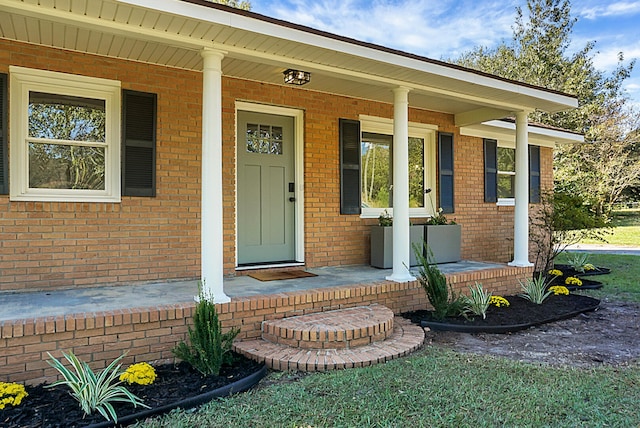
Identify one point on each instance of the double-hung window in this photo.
(65, 137)
(506, 174)
(376, 167)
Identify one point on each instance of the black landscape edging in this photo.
(240, 385)
(587, 284)
(501, 329)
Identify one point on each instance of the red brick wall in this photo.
(149, 334)
(62, 245)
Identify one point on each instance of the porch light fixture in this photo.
(296, 77)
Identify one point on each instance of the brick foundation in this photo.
(149, 334)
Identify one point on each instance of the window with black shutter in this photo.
(4, 159)
(138, 143)
(349, 166)
(534, 174)
(490, 171)
(445, 173)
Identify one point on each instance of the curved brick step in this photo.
(337, 329)
(405, 338)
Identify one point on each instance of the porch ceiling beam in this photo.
(480, 115)
(185, 42)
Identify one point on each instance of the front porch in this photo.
(99, 324)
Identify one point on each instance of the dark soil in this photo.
(520, 311)
(606, 336)
(55, 408)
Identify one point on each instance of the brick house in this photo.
(200, 161)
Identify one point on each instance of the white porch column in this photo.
(401, 242)
(521, 220)
(212, 245)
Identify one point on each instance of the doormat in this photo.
(285, 274)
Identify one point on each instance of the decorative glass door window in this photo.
(506, 172)
(265, 139)
(377, 171)
(66, 142)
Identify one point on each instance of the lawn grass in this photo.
(433, 388)
(436, 387)
(625, 229)
(623, 283)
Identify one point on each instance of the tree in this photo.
(538, 54)
(244, 5)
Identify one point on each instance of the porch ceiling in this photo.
(173, 32)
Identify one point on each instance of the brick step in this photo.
(405, 338)
(337, 329)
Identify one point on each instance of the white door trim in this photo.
(298, 129)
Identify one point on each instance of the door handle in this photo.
(292, 199)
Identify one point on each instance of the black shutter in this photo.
(534, 174)
(445, 174)
(350, 198)
(138, 143)
(490, 171)
(4, 153)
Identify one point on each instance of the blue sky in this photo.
(441, 29)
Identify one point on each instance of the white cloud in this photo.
(621, 8)
(433, 28)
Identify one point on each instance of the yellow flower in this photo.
(559, 289)
(140, 373)
(498, 301)
(555, 272)
(572, 280)
(11, 393)
(588, 266)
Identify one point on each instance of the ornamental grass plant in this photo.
(478, 301)
(208, 348)
(535, 289)
(440, 294)
(94, 391)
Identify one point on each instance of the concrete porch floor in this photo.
(25, 305)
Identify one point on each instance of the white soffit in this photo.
(173, 32)
(505, 131)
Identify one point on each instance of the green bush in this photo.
(441, 296)
(209, 348)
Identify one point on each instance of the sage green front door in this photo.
(266, 198)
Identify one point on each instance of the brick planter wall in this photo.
(149, 334)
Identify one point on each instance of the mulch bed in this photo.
(520, 314)
(55, 408)
(567, 270)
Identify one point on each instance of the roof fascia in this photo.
(506, 131)
(273, 29)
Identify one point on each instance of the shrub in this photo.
(478, 301)
(94, 391)
(209, 348)
(535, 289)
(559, 289)
(11, 394)
(498, 301)
(572, 280)
(439, 293)
(140, 373)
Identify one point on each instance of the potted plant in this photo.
(382, 241)
(442, 236)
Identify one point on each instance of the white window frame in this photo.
(24, 80)
(505, 202)
(427, 132)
